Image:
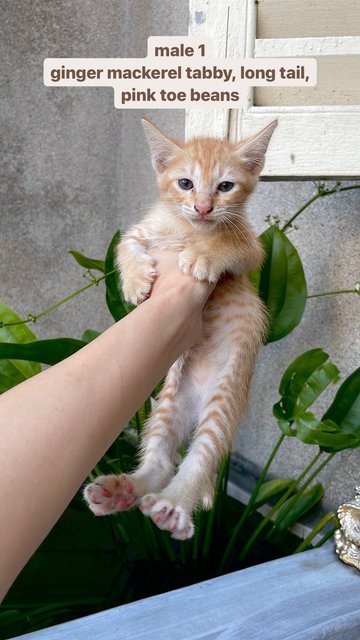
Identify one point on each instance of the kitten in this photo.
(203, 187)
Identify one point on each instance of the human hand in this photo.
(170, 276)
(181, 293)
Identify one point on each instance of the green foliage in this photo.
(304, 502)
(14, 371)
(345, 411)
(271, 489)
(302, 383)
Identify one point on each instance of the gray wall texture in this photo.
(74, 169)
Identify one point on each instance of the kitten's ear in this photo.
(252, 150)
(162, 147)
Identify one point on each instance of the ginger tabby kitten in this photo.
(203, 187)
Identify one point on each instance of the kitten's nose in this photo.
(203, 206)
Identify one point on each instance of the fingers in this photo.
(170, 276)
(165, 260)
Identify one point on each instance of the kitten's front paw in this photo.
(138, 281)
(201, 267)
(168, 515)
(109, 494)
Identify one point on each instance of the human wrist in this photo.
(178, 309)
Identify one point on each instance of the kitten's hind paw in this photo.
(110, 494)
(168, 516)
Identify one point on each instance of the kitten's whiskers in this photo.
(231, 221)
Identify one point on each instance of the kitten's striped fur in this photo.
(205, 392)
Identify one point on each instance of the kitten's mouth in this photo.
(203, 223)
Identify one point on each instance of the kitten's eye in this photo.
(225, 186)
(185, 184)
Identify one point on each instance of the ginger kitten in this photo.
(203, 187)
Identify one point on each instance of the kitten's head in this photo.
(206, 180)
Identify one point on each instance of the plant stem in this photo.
(249, 506)
(132, 522)
(333, 293)
(275, 508)
(327, 535)
(168, 546)
(304, 486)
(184, 552)
(319, 194)
(150, 538)
(305, 206)
(200, 521)
(208, 537)
(33, 318)
(305, 543)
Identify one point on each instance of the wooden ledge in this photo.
(309, 596)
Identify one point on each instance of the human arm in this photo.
(56, 425)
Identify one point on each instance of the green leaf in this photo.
(302, 367)
(11, 373)
(45, 351)
(12, 622)
(282, 284)
(90, 334)
(270, 489)
(326, 374)
(302, 383)
(345, 409)
(309, 428)
(88, 263)
(296, 506)
(325, 434)
(114, 298)
(286, 427)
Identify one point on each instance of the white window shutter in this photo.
(312, 140)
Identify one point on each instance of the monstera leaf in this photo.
(345, 410)
(302, 383)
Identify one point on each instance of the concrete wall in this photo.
(74, 169)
